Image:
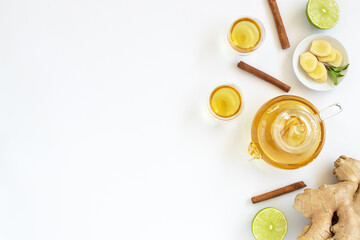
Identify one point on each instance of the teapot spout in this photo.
(253, 151)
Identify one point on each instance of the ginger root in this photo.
(334, 210)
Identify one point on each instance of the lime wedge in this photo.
(269, 224)
(323, 14)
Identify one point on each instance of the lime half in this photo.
(269, 224)
(323, 14)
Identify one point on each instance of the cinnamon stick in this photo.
(279, 24)
(278, 192)
(264, 76)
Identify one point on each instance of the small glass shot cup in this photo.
(246, 51)
(225, 96)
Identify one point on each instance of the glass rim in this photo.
(243, 51)
(234, 86)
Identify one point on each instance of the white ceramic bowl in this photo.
(304, 78)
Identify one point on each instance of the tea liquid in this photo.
(288, 132)
(244, 35)
(225, 101)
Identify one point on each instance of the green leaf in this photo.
(333, 76)
(339, 69)
(337, 74)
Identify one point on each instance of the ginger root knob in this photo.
(341, 199)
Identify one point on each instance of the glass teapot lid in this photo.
(295, 130)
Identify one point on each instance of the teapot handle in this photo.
(331, 111)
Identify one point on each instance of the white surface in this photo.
(304, 46)
(104, 130)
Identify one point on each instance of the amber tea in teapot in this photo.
(287, 132)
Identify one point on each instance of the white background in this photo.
(104, 131)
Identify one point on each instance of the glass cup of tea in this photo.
(246, 35)
(225, 102)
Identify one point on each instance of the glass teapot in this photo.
(288, 131)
